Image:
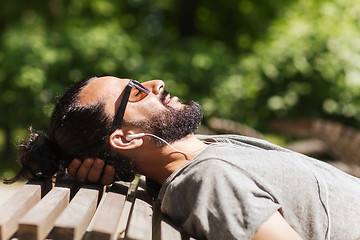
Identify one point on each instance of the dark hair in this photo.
(76, 131)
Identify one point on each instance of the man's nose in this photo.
(155, 86)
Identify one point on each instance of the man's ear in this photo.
(118, 140)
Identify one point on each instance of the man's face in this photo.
(157, 113)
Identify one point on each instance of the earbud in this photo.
(131, 137)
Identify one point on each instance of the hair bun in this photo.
(37, 157)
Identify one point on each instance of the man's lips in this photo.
(168, 98)
(172, 99)
(165, 97)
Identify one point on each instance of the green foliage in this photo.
(307, 65)
(242, 60)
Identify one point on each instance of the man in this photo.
(220, 187)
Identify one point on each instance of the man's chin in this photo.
(181, 123)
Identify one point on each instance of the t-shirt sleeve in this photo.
(214, 199)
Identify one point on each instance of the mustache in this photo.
(163, 96)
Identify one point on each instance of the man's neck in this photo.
(159, 163)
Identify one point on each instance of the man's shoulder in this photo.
(197, 172)
(241, 140)
(209, 169)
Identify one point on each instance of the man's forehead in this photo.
(102, 88)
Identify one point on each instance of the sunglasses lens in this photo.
(136, 95)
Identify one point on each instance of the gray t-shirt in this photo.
(231, 188)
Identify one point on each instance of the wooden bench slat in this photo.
(107, 216)
(162, 229)
(73, 221)
(12, 210)
(140, 222)
(37, 223)
(17, 205)
(169, 232)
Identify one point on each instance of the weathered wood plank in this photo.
(107, 216)
(140, 222)
(70, 182)
(15, 207)
(21, 202)
(162, 229)
(169, 232)
(73, 221)
(37, 223)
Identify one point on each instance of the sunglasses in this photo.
(134, 92)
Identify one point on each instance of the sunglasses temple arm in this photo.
(121, 111)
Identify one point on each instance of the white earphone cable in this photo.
(159, 138)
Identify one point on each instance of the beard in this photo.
(171, 124)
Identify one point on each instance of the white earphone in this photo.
(131, 137)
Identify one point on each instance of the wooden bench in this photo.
(72, 210)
